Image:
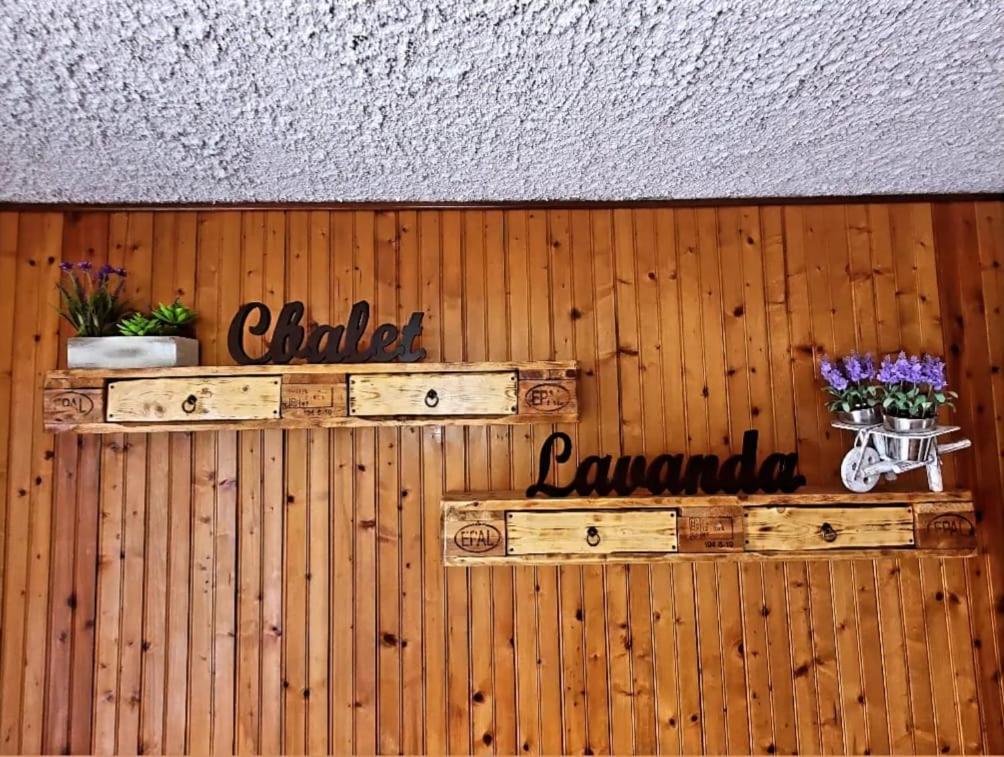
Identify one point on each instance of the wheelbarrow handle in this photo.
(944, 449)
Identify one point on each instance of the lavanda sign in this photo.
(668, 473)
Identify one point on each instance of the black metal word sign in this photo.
(668, 473)
(324, 344)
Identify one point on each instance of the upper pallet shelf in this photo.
(309, 396)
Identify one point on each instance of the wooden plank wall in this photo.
(282, 591)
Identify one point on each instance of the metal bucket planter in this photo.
(907, 448)
(865, 416)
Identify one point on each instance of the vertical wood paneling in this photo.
(110, 555)
(283, 591)
(525, 622)
(39, 546)
(9, 267)
(249, 611)
(179, 549)
(549, 693)
(459, 694)
(273, 517)
(166, 254)
(971, 293)
(434, 624)
(410, 514)
(388, 493)
(296, 551)
(781, 421)
(500, 478)
(319, 517)
(75, 522)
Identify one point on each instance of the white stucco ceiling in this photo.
(276, 100)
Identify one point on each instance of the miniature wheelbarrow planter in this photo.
(869, 458)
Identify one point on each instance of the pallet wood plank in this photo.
(773, 528)
(444, 394)
(245, 397)
(495, 528)
(205, 399)
(572, 532)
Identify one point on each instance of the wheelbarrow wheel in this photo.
(851, 470)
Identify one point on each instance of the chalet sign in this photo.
(668, 474)
(324, 343)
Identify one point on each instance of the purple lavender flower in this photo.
(868, 365)
(65, 267)
(887, 371)
(901, 370)
(832, 374)
(933, 370)
(84, 265)
(914, 387)
(859, 368)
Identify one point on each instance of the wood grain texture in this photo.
(442, 394)
(220, 398)
(771, 529)
(283, 589)
(580, 532)
(245, 398)
(503, 528)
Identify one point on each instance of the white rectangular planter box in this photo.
(131, 351)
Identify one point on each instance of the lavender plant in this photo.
(914, 386)
(850, 381)
(91, 302)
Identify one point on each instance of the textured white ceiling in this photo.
(240, 100)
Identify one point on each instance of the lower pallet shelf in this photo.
(505, 528)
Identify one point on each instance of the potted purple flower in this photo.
(913, 389)
(851, 382)
(92, 303)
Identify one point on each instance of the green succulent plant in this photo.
(139, 325)
(173, 318)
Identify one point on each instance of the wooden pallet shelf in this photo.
(309, 396)
(506, 528)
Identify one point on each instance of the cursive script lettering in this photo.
(667, 473)
(324, 344)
